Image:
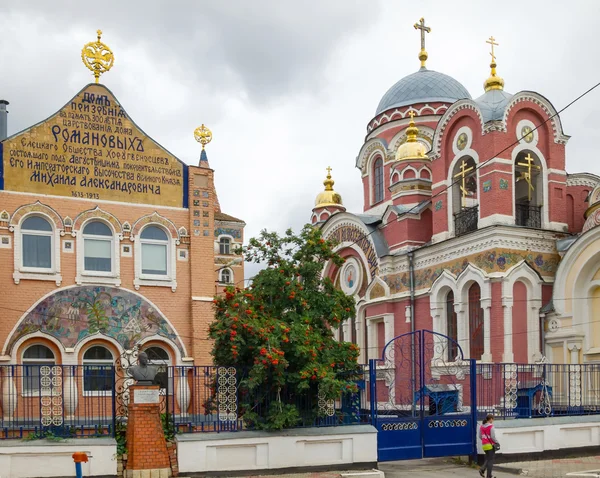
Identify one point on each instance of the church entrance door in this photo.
(423, 398)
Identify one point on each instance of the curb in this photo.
(512, 471)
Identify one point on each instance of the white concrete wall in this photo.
(540, 434)
(42, 458)
(286, 449)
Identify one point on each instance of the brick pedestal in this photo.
(147, 454)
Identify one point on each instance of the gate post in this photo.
(373, 390)
(473, 374)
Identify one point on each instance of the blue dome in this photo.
(492, 104)
(424, 86)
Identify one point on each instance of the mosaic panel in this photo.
(70, 315)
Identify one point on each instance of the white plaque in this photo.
(145, 396)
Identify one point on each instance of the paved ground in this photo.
(432, 468)
(445, 467)
(555, 468)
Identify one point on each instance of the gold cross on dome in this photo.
(411, 113)
(328, 170)
(526, 175)
(463, 174)
(492, 42)
(424, 29)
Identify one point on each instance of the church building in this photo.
(107, 240)
(468, 212)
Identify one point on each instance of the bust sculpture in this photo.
(142, 373)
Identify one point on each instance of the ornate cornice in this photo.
(402, 112)
(457, 248)
(583, 179)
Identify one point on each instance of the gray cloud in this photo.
(289, 87)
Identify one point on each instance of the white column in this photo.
(183, 390)
(486, 304)
(346, 335)
(533, 331)
(9, 394)
(360, 338)
(372, 343)
(508, 356)
(70, 391)
(574, 376)
(388, 327)
(462, 332)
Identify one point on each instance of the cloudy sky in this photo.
(289, 87)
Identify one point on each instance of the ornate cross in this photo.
(411, 113)
(492, 42)
(527, 175)
(424, 29)
(328, 170)
(463, 173)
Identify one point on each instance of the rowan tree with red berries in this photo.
(278, 333)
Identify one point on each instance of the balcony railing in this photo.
(528, 216)
(466, 220)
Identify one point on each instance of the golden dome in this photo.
(411, 149)
(328, 197)
(493, 82)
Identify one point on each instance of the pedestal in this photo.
(147, 454)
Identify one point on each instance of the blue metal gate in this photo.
(423, 398)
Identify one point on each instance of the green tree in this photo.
(279, 331)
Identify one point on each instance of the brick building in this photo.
(107, 240)
(464, 202)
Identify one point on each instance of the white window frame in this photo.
(85, 276)
(166, 243)
(227, 244)
(231, 274)
(168, 280)
(84, 362)
(30, 232)
(40, 362)
(35, 273)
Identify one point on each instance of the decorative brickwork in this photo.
(146, 444)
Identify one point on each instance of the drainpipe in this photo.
(3, 120)
(411, 267)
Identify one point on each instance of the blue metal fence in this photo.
(44, 399)
(215, 399)
(538, 390)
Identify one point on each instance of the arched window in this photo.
(226, 276)
(155, 251)
(378, 180)
(159, 357)
(451, 328)
(98, 247)
(97, 369)
(36, 240)
(35, 358)
(528, 190)
(224, 246)
(475, 322)
(465, 199)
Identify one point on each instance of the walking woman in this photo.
(487, 435)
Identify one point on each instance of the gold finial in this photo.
(463, 174)
(526, 175)
(203, 135)
(424, 29)
(97, 57)
(411, 148)
(493, 82)
(328, 197)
